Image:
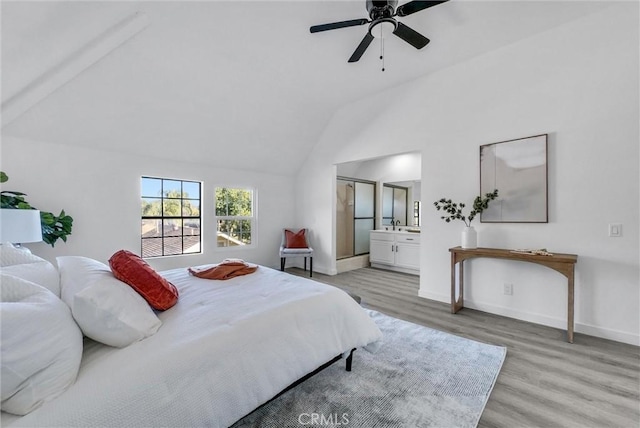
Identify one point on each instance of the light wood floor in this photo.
(544, 382)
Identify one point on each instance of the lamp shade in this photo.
(20, 226)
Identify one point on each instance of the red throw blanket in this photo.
(229, 268)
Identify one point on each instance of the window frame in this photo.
(253, 219)
(162, 217)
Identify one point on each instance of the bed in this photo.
(224, 349)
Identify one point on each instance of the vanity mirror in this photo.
(394, 205)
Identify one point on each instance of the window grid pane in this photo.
(191, 208)
(171, 220)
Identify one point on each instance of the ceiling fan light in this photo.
(383, 28)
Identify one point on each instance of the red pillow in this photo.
(295, 240)
(130, 268)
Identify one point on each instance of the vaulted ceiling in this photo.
(239, 84)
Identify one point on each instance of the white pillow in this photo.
(23, 264)
(106, 309)
(41, 345)
(42, 273)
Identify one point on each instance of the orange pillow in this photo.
(130, 268)
(295, 240)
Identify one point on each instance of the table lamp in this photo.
(20, 226)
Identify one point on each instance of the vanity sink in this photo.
(397, 250)
(398, 230)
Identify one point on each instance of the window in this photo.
(234, 216)
(170, 217)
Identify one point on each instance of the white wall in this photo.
(579, 84)
(101, 191)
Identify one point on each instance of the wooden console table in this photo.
(563, 263)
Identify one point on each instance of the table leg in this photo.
(570, 307)
(456, 304)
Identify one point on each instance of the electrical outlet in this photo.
(507, 289)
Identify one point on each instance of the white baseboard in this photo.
(591, 330)
(444, 298)
(320, 269)
(606, 333)
(395, 268)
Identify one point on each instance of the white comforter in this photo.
(224, 349)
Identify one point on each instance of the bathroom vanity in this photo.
(395, 250)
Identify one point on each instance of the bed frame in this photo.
(348, 364)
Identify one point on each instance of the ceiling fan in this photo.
(382, 23)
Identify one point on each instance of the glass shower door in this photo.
(355, 216)
(344, 219)
(364, 216)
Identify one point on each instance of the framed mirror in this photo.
(394, 204)
(518, 169)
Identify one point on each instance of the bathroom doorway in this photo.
(355, 216)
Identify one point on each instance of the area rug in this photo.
(420, 377)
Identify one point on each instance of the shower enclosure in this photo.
(355, 216)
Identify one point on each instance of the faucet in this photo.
(394, 223)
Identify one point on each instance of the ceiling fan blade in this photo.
(364, 44)
(411, 36)
(336, 25)
(416, 6)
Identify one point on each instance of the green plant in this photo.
(53, 227)
(454, 209)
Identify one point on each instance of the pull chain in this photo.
(382, 47)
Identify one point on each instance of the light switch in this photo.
(615, 230)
